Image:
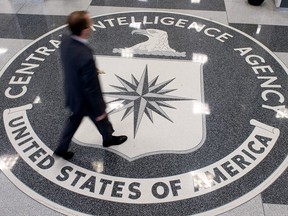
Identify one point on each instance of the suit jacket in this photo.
(81, 84)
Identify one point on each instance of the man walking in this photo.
(81, 84)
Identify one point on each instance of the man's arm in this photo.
(91, 88)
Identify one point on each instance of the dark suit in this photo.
(82, 88)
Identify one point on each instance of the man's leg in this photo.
(104, 127)
(71, 126)
(106, 130)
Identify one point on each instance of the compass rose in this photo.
(142, 97)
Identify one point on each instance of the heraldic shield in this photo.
(150, 101)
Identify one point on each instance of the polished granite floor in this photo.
(200, 88)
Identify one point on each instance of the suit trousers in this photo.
(104, 127)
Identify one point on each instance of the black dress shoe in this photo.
(66, 155)
(115, 140)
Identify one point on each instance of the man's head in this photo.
(79, 23)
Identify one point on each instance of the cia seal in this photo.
(200, 102)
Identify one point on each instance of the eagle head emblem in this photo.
(156, 44)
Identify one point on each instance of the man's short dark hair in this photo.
(77, 22)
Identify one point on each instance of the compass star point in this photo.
(142, 96)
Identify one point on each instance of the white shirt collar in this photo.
(82, 40)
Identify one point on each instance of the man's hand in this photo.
(101, 117)
(100, 71)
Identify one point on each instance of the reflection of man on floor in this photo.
(82, 88)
